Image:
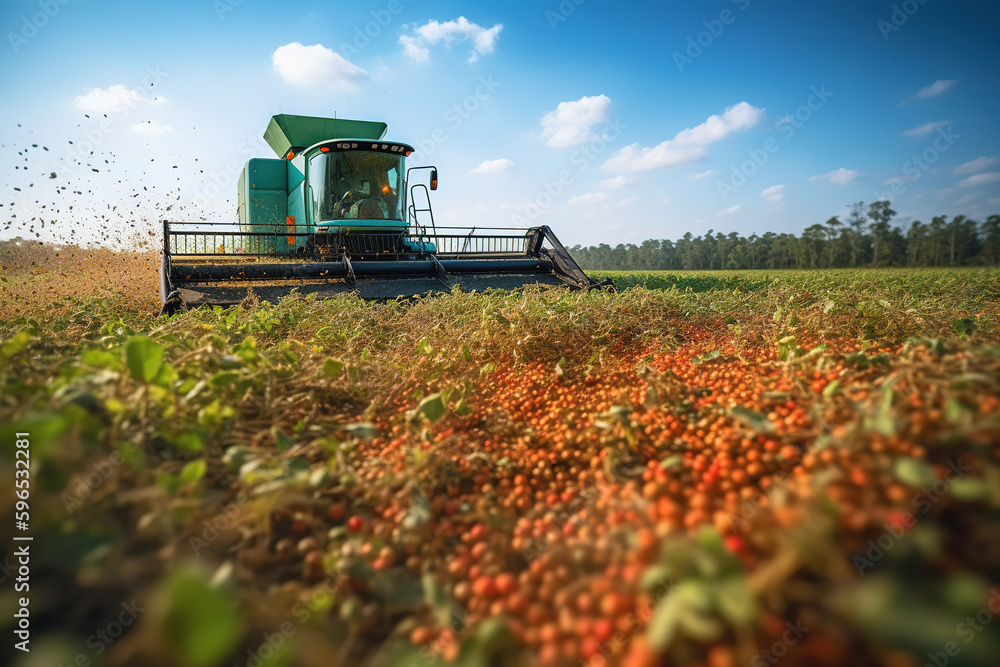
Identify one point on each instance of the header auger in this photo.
(339, 211)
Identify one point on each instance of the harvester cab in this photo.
(339, 210)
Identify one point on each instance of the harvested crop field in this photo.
(704, 468)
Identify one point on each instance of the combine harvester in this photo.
(338, 211)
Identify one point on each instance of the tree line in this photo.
(867, 238)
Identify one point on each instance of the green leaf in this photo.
(143, 356)
(284, 444)
(884, 424)
(786, 348)
(671, 461)
(964, 591)
(397, 589)
(215, 414)
(201, 625)
(736, 602)
(169, 482)
(970, 489)
(490, 644)
(362, 430)
(438, 601)
(463, 409)
(831, 389)
(654, 577)
(710, 540)
(424, 347)
(663, 625)
(433, 407)
(47, 430)
(752, 419)
(926, 627)
(247, 350)
(189, 441)
(193, 471)
(914, 472)
(224, 379)
(16, 343)
(333, 368)
(165, 377)
(964, 326)
(700, 627)
(101, 359)
(956, 412)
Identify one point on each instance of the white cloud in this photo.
(150, 127)
(774, 194)
(926, 129)
(636, 158)
(588, 199)
(966, 200)
(939, 87)
(980, 179)
(628, 201)
(315, 66)
(497, 166)
(740, 116)
(728, 211)
(461, 29)
(977, 165)
(702, 174)
(616, 182)
(838, 176)
(570, 123)
(115, 98)
(413, 48)
(688, 145)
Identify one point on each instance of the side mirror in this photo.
(434, 179)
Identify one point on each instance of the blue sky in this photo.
(611, 122)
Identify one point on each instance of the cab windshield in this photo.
(355, 185)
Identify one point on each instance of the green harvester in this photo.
(338, 210)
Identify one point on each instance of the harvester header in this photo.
(340, 211)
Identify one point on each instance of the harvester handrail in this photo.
(215, 239)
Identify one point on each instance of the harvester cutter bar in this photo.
(218, 264)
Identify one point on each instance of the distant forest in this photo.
(866, 239)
